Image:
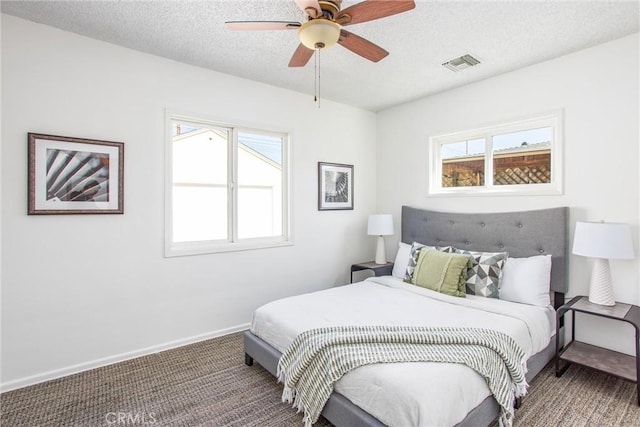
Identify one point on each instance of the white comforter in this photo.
(405, 394)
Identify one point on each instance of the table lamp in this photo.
(602, 241)
(380, 225)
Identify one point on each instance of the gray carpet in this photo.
(207, 384)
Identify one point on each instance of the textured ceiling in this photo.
(504, 35)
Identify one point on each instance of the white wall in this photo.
(82, 290)
(598, 90)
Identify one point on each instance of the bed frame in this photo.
(522, 234)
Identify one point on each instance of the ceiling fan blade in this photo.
(362, 47)
(373, 9)
(261, 25)
(310, 7)
(301, 56)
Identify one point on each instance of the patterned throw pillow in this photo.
(485, 273)
(415, 253)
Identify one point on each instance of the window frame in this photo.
(232, 242)
(552, 119)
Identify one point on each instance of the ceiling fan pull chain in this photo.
(318, 50)
(316, 77)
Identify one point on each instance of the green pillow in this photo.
(441, 272)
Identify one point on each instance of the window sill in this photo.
(512, 190)
(203, 248)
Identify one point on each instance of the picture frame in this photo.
(74, 175)
(335, 186)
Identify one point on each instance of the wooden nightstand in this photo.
(378, 269)
(604, 360)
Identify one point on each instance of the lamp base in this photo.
(600, 290)
(381, 256)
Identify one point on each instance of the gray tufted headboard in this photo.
(522, 234)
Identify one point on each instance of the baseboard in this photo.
(59, 373)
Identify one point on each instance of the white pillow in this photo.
(527, 280)
(402, 260)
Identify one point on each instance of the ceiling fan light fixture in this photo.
(319, 33)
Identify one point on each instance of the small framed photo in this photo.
(335, 186)
(75, 175)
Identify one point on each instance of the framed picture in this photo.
(335, 186)
(75, 175)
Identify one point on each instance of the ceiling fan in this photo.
(323, 26)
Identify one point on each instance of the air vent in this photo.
(458, 64)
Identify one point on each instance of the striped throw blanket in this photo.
(317, 358)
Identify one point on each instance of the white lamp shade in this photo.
(603, 240)
(380, 225)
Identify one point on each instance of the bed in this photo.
(521, 234)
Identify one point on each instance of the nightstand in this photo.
(378, 269)
(604, 360)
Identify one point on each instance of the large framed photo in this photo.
(335, 186)
(75, 175)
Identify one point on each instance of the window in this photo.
(227, 188)
(522, 157)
